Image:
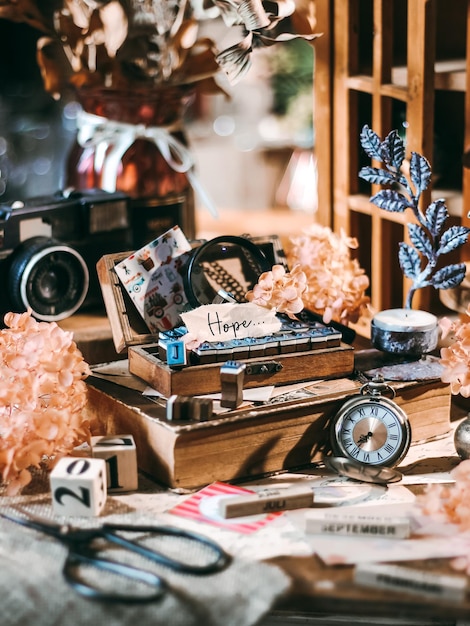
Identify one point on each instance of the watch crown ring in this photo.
(377, 386)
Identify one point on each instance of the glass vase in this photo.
(135, 142)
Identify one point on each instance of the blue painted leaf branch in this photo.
(428, 238)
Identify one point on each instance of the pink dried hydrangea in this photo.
(451, 504)
(336, 282)
(42, 396)
(455, 358)
(280, 290)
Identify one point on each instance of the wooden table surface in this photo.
(318, 589)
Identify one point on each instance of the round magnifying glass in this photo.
(223, 269)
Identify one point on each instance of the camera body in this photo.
(49, 247)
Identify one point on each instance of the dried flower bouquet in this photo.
(128, 44)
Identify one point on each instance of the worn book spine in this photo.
(249, 442)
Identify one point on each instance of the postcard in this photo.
(152, 277)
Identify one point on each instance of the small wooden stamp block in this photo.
(232, 375)
(120, 454)
(189, 408)
(176, 353)
(78, 486)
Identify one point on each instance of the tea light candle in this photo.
(405, 331)
(405, 319)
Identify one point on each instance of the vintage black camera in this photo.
(49, 247)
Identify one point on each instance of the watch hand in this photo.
(364, 438)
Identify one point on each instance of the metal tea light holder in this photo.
(405, 331)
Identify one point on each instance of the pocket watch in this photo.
(370, 429)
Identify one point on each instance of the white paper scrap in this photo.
(224, 322)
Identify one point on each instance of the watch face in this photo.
(372, 431)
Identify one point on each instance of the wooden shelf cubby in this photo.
(392, 65)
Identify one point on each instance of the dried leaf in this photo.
(186, 37)
(53, 66)
(304, 18)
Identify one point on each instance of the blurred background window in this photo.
(35, 130)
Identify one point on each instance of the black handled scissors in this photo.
(84, 551)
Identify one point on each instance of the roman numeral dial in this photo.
(371, 428)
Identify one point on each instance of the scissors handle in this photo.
(71, 571)
(220, 558)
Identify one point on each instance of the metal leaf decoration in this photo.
(420, 172)
(410, 261)
(452, 239)
(393, 150)
(419, 239)
(449, 277)
(436, 216)
(376, 176)
(370, 142)
(429, 239)
(389, 200)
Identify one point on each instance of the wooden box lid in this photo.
(131, 333)
(127, 326)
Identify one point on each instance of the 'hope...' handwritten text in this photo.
(222, 322)
(218, 328)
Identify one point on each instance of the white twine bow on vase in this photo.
(111, 139)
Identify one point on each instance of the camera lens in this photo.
(48, 277)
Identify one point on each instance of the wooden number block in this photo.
(120, 454)
(78, 486)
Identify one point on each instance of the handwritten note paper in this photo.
(223, 322)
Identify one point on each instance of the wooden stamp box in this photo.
(130, 333)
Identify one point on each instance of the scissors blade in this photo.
(41, 524)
